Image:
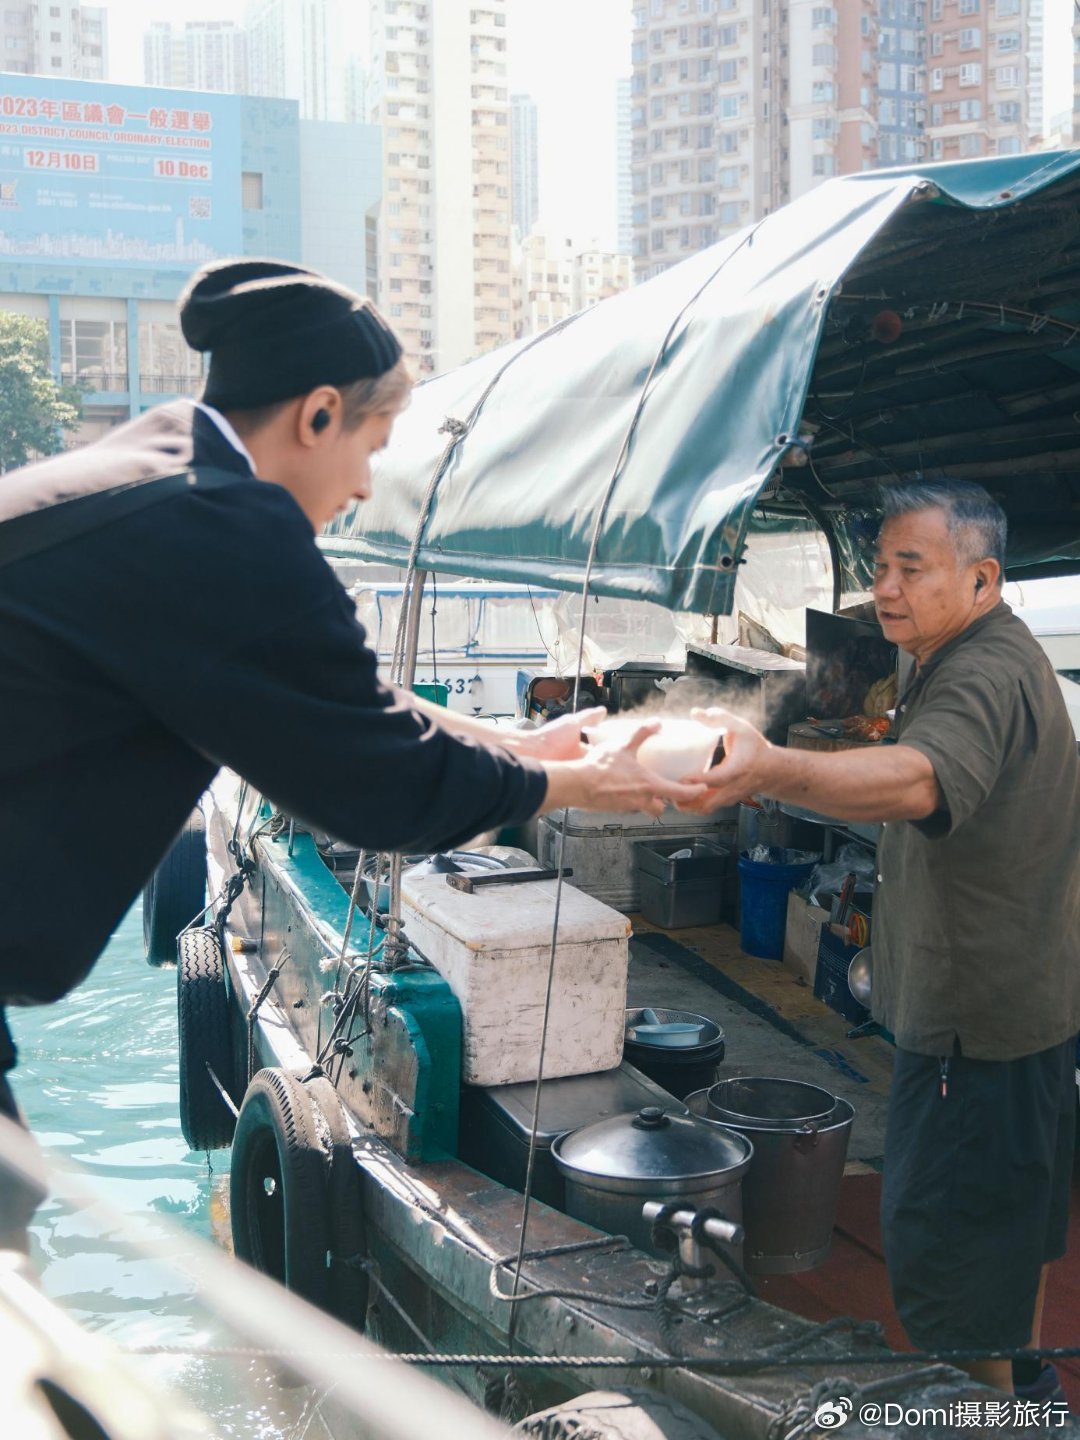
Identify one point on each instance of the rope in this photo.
(718, 1364)
(594, 543)
(268, 984)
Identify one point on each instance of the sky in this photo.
(567, 55)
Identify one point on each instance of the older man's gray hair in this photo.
(976, 522)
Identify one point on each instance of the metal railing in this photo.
(170, 384)
(91, 381)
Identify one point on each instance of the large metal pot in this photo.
(791, 1188)
(611, 1169)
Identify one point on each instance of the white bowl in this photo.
(680, 747)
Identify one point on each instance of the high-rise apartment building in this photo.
(524, 163)
(982, 77)
(900, 82)
(50, 39)
(438, 89)
(204, 55)
(295, 49)
(356, 90)
(624, 199)
(556, 277)
(739, 106)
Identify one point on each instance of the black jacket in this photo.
(139, 656)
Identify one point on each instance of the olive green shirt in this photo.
(977, 908)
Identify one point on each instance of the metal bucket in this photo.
(767, 1101)
(791, 1188)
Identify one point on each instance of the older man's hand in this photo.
(743, 770)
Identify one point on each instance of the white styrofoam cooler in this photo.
(600, 846)
(492, 947)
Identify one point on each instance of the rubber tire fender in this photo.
(348, 1286)
(296, 1193)
(175, 892)
(633, 1413)
(202, 1012)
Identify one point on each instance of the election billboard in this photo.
(117, 175)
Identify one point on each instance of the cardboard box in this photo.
(802, 936)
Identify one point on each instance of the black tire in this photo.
(347, 1298)
(296, 1214)
(629, 1414)
(202, 1006)
(176, 891)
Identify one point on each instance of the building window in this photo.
(1009, 145)
(970, 110)
(937, 43)
(94, 352)
(727, 71)
(969, 75)
(1007, 77)
(1007, 7)
(823, 91)
(1008, 113)
(969, 7)
(971, 146)
(824, 165)
(937, 78)
(971, 39)
(1009, 40)
(729, 107)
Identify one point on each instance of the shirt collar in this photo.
(227, 430)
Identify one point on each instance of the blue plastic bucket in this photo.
(764, 886)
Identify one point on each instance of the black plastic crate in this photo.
(830, 977)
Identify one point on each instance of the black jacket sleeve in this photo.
(264, 668)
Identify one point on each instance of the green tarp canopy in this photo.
(887, 325)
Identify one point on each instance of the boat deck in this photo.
(774, 1025)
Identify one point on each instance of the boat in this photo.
(64, 1380)
(744, 405)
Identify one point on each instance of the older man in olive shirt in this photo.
(976, 930)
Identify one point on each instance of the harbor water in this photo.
(98, 1081)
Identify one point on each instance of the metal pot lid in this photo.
(650, 1144)
(455, 861)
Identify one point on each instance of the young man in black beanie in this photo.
(164, 610)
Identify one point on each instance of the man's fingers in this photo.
(640, 735)
(581, 718)
(679, 790)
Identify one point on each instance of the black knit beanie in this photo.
(275, 331)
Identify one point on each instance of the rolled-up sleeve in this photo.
(964, 728)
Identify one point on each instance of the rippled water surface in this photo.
(98, 1081)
